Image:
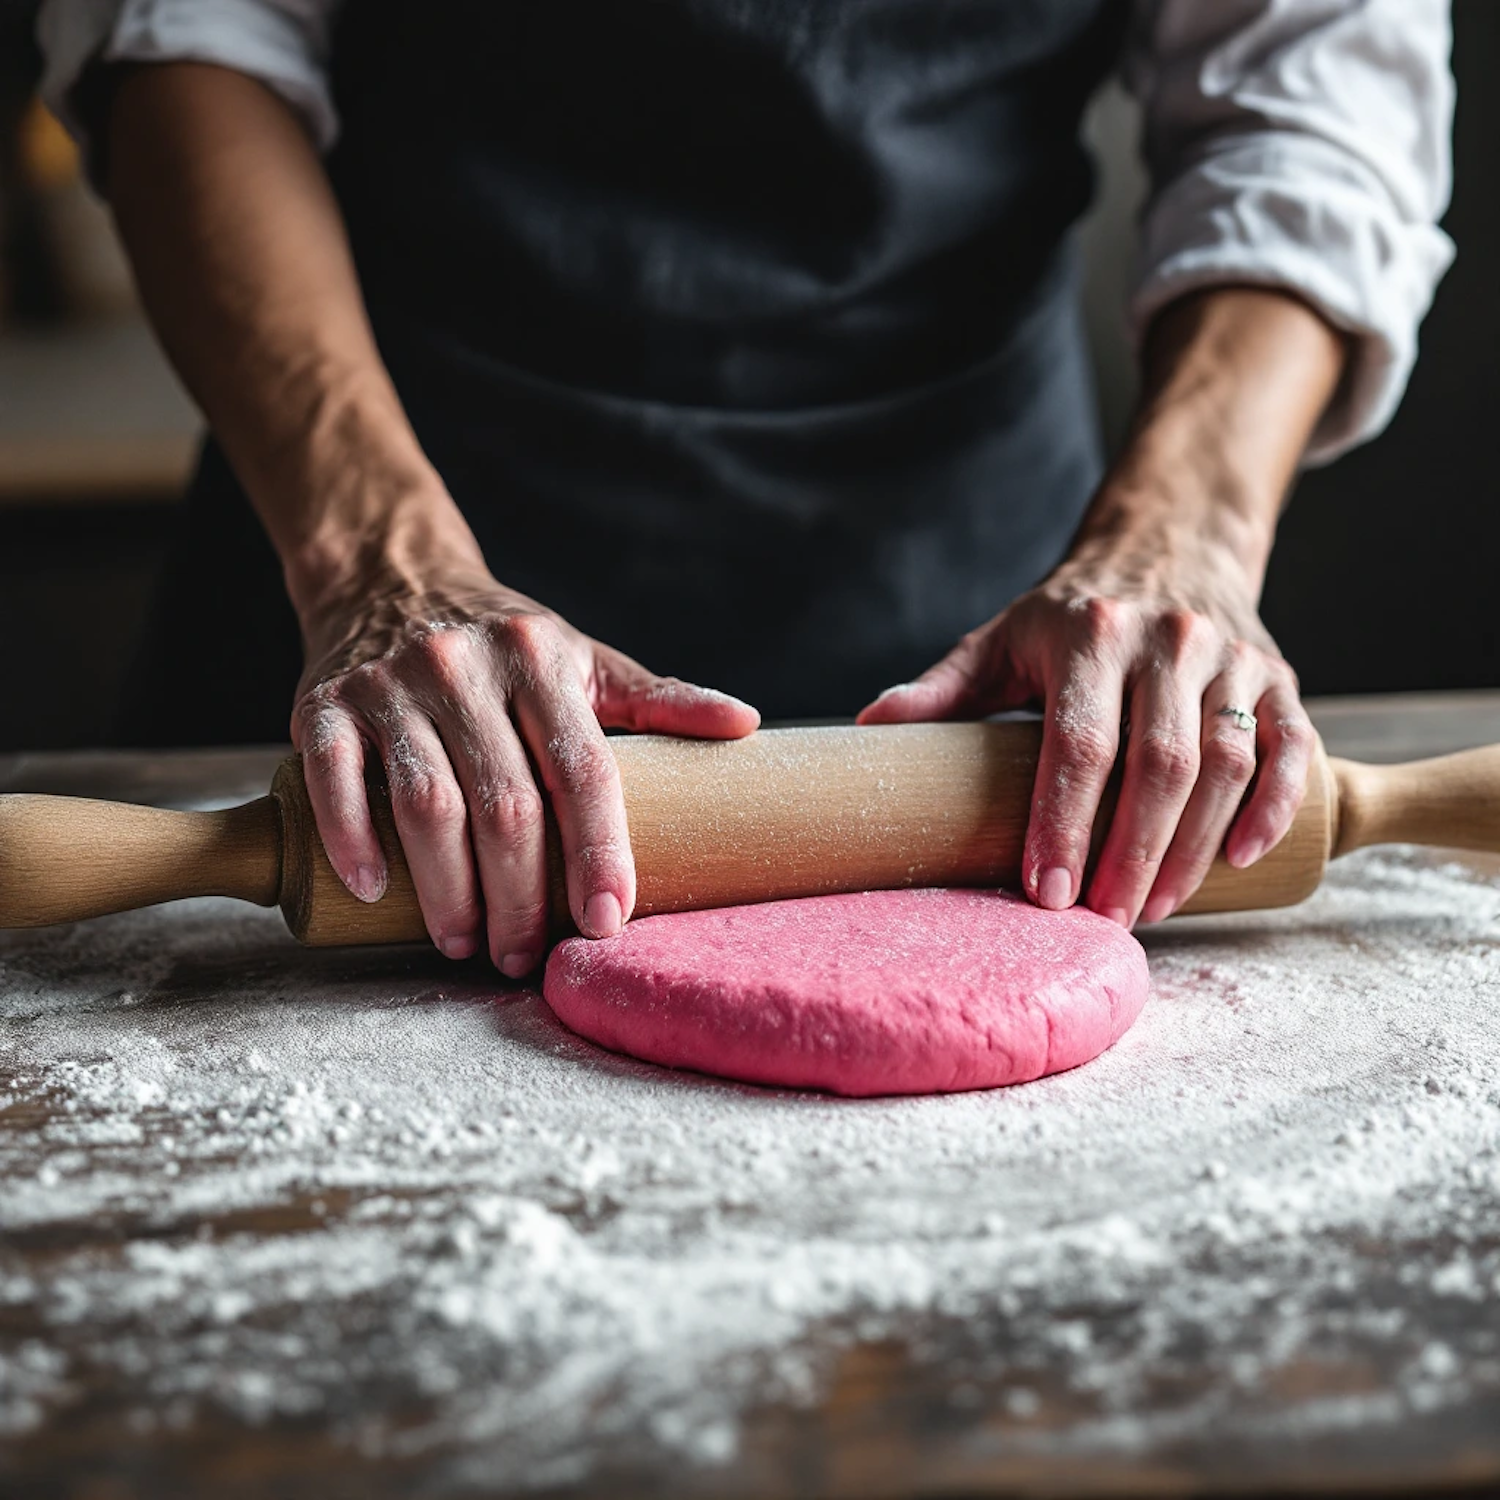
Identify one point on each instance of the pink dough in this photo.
(887, 992)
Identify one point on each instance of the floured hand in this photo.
(1149, 632)
(461, 686)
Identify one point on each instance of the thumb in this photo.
(627, 696)
(956, 686)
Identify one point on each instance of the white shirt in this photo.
(1298, 144)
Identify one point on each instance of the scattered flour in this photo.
(346, 1185)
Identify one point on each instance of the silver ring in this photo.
(1241, 718)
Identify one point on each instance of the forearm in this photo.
(1234, 383)
(1152, 619)
(244, 266)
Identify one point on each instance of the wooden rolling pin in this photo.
(787, 812)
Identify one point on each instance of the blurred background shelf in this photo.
(91, 414)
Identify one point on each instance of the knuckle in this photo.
(1127, 872)
(1228, 758)
(1167, 759)
(1085, 748)
(429, 800)
(319, 710)
(370, 686)
(1136, 859)
(375, 673)
(1240, 656)
(445, 655)
(509, 809)
(317, 702)
(583, 764)
(1185, 633)
(1296, 735)
(1102, 621)
(532, 639)
(324, 747)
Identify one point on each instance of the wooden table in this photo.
(925, 1408)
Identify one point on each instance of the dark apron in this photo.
(744, 332)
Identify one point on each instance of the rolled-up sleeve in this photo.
(1301, 144)
(283, 43)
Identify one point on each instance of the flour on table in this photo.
(417, 1182)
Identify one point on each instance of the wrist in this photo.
(351, 501)
(1182, 519)
(393, 537)
(1234, 380)
(1161, 535)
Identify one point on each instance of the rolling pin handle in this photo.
(1452, 802)
(63, 859)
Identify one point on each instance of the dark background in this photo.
(1384, 578)
(1385, 573)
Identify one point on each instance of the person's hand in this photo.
(415, 654)
(1152, 621)
(453, 681)
(1162, 633)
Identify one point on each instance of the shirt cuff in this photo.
(1297, 213)
(284, 50)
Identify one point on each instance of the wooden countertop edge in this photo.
(94, 470)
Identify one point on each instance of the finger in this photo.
(579, 772)
(507, 827)
(431, 820)
(1080, 739)
(949, 690)
(1286, 738)
(627, 696)
(461, 687)
(1162, 761)
(1228, 764)
(333, 766)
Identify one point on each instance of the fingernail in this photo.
(1159, 908)
(1054, 889)
(1118, 915)
(457, 947)
(1246, 854)
(514, 965)
(602, 916)
(890, 692)
(368, 883)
